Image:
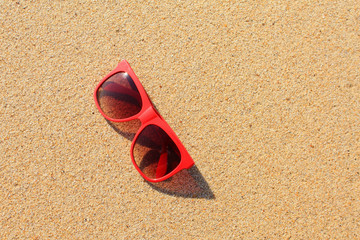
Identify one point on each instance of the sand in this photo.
(263, 94)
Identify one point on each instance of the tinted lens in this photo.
(118, 97)
(155, 153)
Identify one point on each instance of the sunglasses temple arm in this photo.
(162, 165)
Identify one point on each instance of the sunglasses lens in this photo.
(118, 97)
(155, 153)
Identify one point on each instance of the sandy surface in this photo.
(264, 95)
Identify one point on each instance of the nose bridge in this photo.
(148, 115)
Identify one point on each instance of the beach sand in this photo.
(264, 95)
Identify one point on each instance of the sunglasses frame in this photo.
(148, 115)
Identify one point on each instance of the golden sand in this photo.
(264, 95)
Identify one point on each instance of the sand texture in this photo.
(265, 96)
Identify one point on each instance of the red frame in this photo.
(148, 116)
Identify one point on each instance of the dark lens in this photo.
(155, 153)
(118, 97)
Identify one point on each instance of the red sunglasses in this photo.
(156, 151)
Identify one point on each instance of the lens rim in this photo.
(124, 66)
(130, 93)
(186, 161)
